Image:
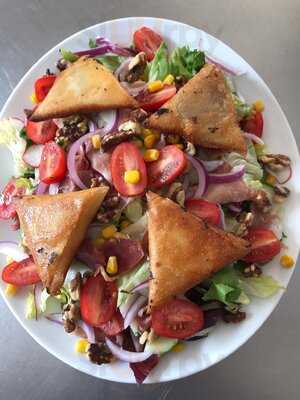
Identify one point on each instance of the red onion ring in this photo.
(202, 177)
(125, 307)
(53, 188)
(128, 356)
(42, 188)
(236, 173)
(226, 68)
(235, 207)
(253, 137)
(289, 177)
(88, 330)
(134, 309)
(11, 249)
(222, 221)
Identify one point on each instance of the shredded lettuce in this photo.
(186, 62)
(243, 109)
(160, 345)
(30, 306)
(110, 61)
(262, 286)
(159, 66)
(127, 282)
(92, 43)
(10, 129)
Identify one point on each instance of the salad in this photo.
(146, 199)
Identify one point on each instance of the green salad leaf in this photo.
(243, 109)
(53, 304)
(110, 61)
(262, 286)
(68, 55)
(30, 306)
(186, 62)
(92, 43)
(159, 66)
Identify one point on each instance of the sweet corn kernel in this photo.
(120, 235)
(178, 347)
(81, 346)
(155, 86)
(168, 80)
(98, 242)
(139, 144)
(259, 105)
(124, 224)
(112, 265)
(287, 261)
(172, 139)
(109, 232)
(270, 179)
(147, 132)
(96, 142)
(149, 141)
(9, 259)
(179, 146)
(151, 155)
(33, 98)
(133, 176)
(11, 290)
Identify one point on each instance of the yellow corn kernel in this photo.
(11, 290)
(149, 141)
(155, 86)
(109, 232)
(124, 224)
(133, 176)
(81, 346)
(179, 146)
(172, 139)
(259, 105)
(178, 347)
(270, 179)
(168, 80)
(112, 265)
(147, 132)
(287, 261)
(96, 142)
(9, 260)
(120, 235)
(33, 98)
(151, 155)
(98, 242)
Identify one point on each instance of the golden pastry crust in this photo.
(54, 227)
(85, 86)
(184, 250)
(203, 112)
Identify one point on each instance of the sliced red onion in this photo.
(122, 70)
(226, 68)
(33, 155)
(92, 126)
(53, 188)
(114, 47)
(57, 318)
(11, 249)
(236, 173)
(88, 330)
(137, 345)
(128, 356)
(235, 207)
(126, 306)
(202, 177)
(110, 119)
(253, 137)
(42, 188)
(134, 309)
(278, 178)
(212, 165)
(37, 292)
(120, 339)
(141, 288)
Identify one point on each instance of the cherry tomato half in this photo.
(114, 326)
(98, 301)
(264, 245)
(206, 210)
(127, 157)
(177, 319)
(170, 164)
(41, 132)
(153, 101)
(254, 124)
(148, 41)
(7, 207)
(43, 85)
(21, 273)
(53, 165)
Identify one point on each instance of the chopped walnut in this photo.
(62, 64)
(234, 317)
(99, 353)
(136, 67)
(73, 128)
(111, 202)
(281, 193)
(245, 220)
(98, 181)
(138, 115)
(276, 162)
(261, 202)
(251, 271)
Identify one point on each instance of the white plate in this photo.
(277, 134)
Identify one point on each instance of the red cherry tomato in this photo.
(177, 319)
(43, 85)
(207, 211)
(114, 326)
(53, 165)
(98, 301)
(21, 273)
(127, 157)
(7, 207)
(254, 124)
(264, 245)
(170, 164)
(148, 41)
(41, 132)
(153, 101)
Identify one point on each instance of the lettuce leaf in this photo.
(53, 304)
(186, 62)
(159, 66)
(68, 55)
(243, 109)
(262, 286)
(30, 306)
(110, 61)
